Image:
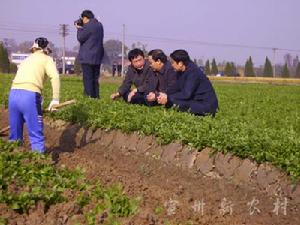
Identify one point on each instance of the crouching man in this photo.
(195, 92)
(163, 79)
(137, 76)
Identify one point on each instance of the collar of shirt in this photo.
(163, 70)
(143, 70)
(190, 66)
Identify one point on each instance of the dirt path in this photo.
(168, 194)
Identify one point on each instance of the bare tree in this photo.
(10, 44)
(24, 47)
(288, 59)
(113, 50)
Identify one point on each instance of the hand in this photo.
(162, 98)
(151, 97)
(77, 26)
(131, 94)
(114, 96)
(52, 105)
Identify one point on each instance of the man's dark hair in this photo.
(87, 13)
(158, 54)
(180, 55)
(135, 53)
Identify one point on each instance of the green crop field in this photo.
(257, 121)
(29, 177)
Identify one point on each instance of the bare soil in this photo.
(168, 194)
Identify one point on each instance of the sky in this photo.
(228, 30)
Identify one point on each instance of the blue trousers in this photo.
(25, 107)
(91, 75)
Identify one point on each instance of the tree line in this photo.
(5, 65)
(230, 69)
(113, 55)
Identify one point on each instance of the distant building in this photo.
(117, 65)
(69, 64)
(17, 58)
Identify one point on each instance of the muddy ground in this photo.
(169, 194)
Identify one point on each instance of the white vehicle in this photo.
(69, 64)
(17, 58)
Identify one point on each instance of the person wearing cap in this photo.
(25, 100)
(91, 51)
(195, 92)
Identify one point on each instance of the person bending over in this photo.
(25, 100)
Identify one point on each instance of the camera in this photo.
(79, 22)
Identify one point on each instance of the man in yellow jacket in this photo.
(25, 100)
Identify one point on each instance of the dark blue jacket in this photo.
(164, 80)
(90, 37)
(194, 85)
(138, 78)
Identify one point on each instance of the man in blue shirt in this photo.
(90, 36)
(195, 92)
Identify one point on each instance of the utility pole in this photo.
(274, 61)
(64, 31)
(123, 49)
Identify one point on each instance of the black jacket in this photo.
(164, 80)
(137, 78)
(90, 37)
(194, 85)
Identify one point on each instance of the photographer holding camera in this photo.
(90, 36)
